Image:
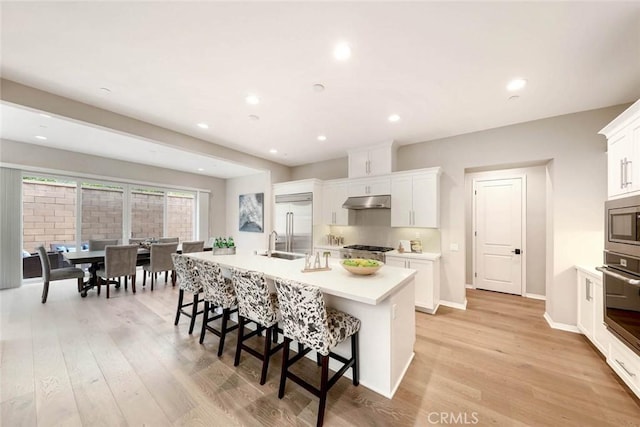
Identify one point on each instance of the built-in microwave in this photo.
(623, 226)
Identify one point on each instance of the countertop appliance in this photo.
(621, 284)
(364, 251)
(293, 221)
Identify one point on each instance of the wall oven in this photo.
(621, 272)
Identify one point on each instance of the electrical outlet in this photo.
(417, 234)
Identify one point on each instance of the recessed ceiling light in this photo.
(273, 151)
(45, 115)
(394, 118)
(318, 87)
(254, 117)
(516, 84)
(43, 138)
(252, 100)
(322, 138)
(200, 169)
(203, 126)
(342, 51)
(105, 90)
(514, 97)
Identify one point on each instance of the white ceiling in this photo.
(442, 67)
(22, 124)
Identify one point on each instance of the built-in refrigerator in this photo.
(293, 219)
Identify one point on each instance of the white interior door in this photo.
(498, 235)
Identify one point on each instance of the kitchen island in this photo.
(384, 302)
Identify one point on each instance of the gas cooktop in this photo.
(368, 248)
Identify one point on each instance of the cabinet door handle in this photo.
(621, 173)
(624, 368)
(587, 288)
(626, 172)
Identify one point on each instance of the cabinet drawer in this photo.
(626, 363)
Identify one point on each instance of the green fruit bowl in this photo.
(362, 267)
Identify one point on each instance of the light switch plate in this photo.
(454, 247)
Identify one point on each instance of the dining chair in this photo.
(160, 261)
(190, 247)
(169, 240)
(188, 281)
(51, 275)
(119, 261)
(217, 292)
(137, 240)
(307, 320)
(100, 244)
(256, 304)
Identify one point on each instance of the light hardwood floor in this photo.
(93, 361)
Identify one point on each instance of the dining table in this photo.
(95, 258)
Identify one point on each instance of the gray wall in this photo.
(576, 188)
(328, 169)
(578, 185)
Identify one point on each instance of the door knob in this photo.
(516, 251)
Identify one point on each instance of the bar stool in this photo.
(256, 304)
(305, 319)
(217, 292)
(188, 281)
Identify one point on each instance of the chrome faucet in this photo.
(269, 251)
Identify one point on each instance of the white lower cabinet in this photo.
(427, 280)
(591, 309)
(624, 361)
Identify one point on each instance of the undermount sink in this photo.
(283, 255)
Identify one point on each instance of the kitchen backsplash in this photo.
(372, 227)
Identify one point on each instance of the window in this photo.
(181, 208)
(147, 213)
(102, 208)
(48, 213)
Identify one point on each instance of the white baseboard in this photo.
(561, 326)
(469, 286)
(535, 296)
(455, 305)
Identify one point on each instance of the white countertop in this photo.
(589, 269)
(432, 256)
(371, 289)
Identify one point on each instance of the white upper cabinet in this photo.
(415, 199)
(334, 195)
(370, 186)
(623, 152)
(371, 161)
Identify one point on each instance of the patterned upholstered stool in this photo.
(189, 282)
(256, 304)
(305, 319)
(217, 292)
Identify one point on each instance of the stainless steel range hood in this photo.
(368, 202)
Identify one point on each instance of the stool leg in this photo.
(205, 316)
(323, 389)
(133, 282)
(241, 321)
(180, 298)
(266, 356)
(194, 310)
(223, 330)
(356, 359)
(283, 371)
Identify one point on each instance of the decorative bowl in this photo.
(360, 266)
